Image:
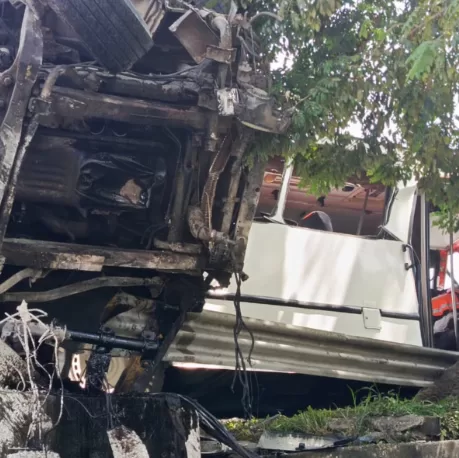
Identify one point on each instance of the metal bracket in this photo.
(97, 368)
(194, 34)
(227, 99)
(405, 248)
(371, 318)
(277, 214)
(145, 380)
(221, 55)
(99, 362)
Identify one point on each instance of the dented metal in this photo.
(124, 132)
(207, 339)
(194, 34)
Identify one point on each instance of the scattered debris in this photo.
(212, 447)
(250, 446)
(154, 426)
(377, 418)
(295, 442)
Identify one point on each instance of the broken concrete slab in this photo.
(126, 443)
(446, 386)
(397, 424)
(406, 428)
(347, 426)
(13, 369)
(162, 425)
(446, 449)
(21, 424)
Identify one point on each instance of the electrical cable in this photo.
(211, 425)
(241, 372)
(167, 75)
(89, 66)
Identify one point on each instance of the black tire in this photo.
(112, 30)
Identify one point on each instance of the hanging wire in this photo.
(211, 425)
(241, 372)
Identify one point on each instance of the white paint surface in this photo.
(306, 266)
(193, 442)
(392, 329)
(402, 211)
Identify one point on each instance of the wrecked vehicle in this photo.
(370, 298)
(125, 126)
(126, 210)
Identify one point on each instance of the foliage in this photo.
(354, 418)
(389, 66)
(245, 430)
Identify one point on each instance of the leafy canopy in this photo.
(390, 67)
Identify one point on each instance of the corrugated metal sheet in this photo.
(207, 338)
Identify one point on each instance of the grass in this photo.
(353, 420)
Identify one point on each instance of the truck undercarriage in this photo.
(125, 127)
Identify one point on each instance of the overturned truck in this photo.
(125, 126)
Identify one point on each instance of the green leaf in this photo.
(381, 65)
(365, 29)
(422, 59)
(380, 34)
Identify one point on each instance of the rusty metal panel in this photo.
(43, 179)
(73, 103)
(194, 35)
(208, 339)
(221, 55)
(46, 255)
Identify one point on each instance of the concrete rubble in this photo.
(447, 385)
(13, 370)
(17, 423)
(126, 443)
(391, 429)
(407, 428)
(150, 427)
(118, 426)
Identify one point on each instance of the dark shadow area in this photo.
(272, 392)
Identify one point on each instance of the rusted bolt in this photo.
(7, 81)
